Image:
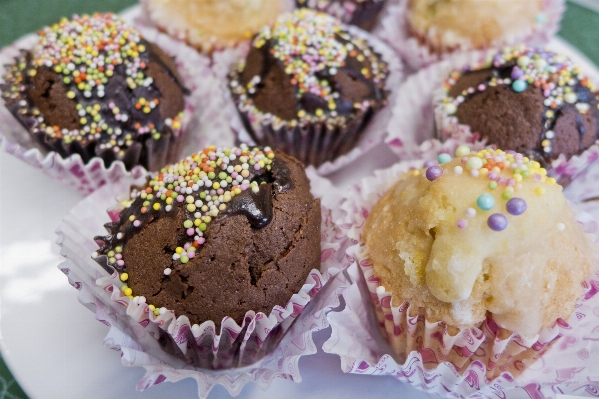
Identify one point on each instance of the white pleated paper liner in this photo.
(158, 343)
(568, 366)
(418, 113)
(375, 131)
(201, 119)
(394, 29)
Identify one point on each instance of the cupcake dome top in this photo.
(307, 67)
(480, 232)
(533, 100)
(237, 224)
(94, 82)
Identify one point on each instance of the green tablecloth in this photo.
(580, 27)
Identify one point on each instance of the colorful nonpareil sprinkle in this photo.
(503, 172)
(202, 184)
(313, 48)
(523, 69)
(87, 53)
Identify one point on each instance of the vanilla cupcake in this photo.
(472, 24)
(213, 24)
(484, 246)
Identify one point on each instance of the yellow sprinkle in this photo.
(207, 219)
(551, 180)
(156, 206)
(483, 171)
(179, 250)
(124, 276)
(132, 218)
(539, 191)
(128, 291)
(216, 185)
(518, 178)
(191, 207)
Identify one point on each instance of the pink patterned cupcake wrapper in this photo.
(204, 121)
(317, 144)
(394, 29)
(168, 347)
(370, 334)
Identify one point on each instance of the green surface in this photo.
(19, 17)
(9, 389)
(580, 27)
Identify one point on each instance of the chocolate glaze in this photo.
(256, 207)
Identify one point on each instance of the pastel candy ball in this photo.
(516, 206)
(485, 202)
(519, 86)
(433, 173)
(497, 222)
(462, 151)
(474, 163)
(444, 158)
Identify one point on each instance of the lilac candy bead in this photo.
(516, 73)
(190, 231)
(516, 206)
(434, 172)
(497, 222)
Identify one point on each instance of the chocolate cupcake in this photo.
(532, 100)
(222, 233)
(308, 86)
(93, 86)
(362, 13)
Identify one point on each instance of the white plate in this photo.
(65, 359)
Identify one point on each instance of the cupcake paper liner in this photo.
(168, 347)
(393, 28)
(202, 121)
(475, 362)
(319, 144)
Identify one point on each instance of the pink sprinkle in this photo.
(201, 240)
(244, 187)
(111, 105)
(136, 223)
(464, 159)
(213, 157)
(177, 189)
(212, 192)
(501, 180)
(117, 117)
(492, 175)
(257, 166)
(190, 231)
(511, 182)
(481, 87)
(238, 152)
(118, 256)
(234, 175)
(220, 191)
(462, 223)
(538, 177)
(187, 245)
(191, 254)
(120, 262)
(180, 198)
